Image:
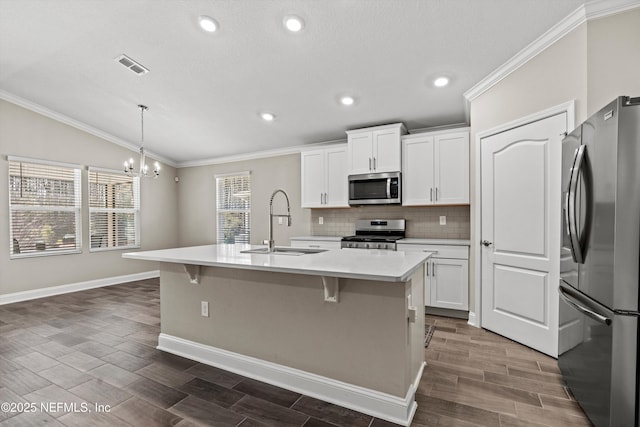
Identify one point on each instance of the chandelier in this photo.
(144, 169)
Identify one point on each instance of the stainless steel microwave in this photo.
(375, 189)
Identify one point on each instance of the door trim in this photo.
(475, 317)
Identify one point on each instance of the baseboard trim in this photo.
(377, 404)
(473, 319)
(75, 287)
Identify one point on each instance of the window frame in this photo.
(136, 210)
(218, 211)
(77, 208)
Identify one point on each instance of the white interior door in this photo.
(520, 228)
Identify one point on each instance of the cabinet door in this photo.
(386, 150)
(417, 172)
(336, 178)
(452, 168)
(449, 283)
(360, 153)
(313, 178)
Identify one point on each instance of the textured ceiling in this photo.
(205, 91)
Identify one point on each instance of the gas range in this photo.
(375, 234)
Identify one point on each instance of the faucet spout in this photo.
(272, 215)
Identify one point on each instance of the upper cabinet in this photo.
(324, 177)
(435, 168)
(375, 149)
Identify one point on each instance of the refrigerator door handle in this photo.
(572, 195)
(592, 314)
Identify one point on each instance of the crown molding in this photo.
(37, 108)
(591, 10)
(297, 149)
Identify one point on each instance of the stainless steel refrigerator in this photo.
(600, 263)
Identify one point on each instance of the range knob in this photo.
(381, 246)
(366, 245)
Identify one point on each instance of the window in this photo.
(114, 210)
(233, 207)
(44, 208)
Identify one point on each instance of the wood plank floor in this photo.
(73, 351)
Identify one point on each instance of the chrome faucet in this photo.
(271, 243)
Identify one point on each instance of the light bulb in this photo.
(208, 24)
(347, 100)
(269, 117)
(441, 82)
(293, 23)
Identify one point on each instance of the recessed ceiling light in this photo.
(347, 100)
(268, 117)
(293, 23)
(207, 23)
(441, 82)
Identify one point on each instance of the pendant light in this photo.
(144, 169)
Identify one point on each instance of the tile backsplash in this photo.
(423, 222)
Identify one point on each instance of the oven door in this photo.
(374, 189)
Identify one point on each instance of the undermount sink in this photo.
(284, 251)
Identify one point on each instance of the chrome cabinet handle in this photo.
(486, 243)
(325, 198)
(428, 269)
(374, 163)
(369, 163)
(572, 196)
(436, 194)
(431, 194)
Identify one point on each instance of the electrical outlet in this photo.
(320, 220)
(443, 220)
(279, 220)
(204, 308)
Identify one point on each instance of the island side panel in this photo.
(415, 332)
(364, 339)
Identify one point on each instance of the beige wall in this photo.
(593, 64)
(28, 134)
(555, 76)
(197, 200)
(613, 58)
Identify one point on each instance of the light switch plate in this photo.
(443, 220)
(320, 220)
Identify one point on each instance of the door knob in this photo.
(486, 243)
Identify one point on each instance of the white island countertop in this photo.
(388, 266)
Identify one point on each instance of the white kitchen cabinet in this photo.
(324, 178)
(446, 275)
(316, 242)
(375, 149)
(435, 168)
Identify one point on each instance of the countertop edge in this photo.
(280, 269)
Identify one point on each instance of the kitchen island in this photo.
(345, 326)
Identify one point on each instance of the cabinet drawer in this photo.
(439, 251)
(316, 244)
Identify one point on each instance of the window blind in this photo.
(44, 207)
(114, 210)
(233, 208)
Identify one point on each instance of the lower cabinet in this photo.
(447, 275)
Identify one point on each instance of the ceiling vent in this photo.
(134, 66)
